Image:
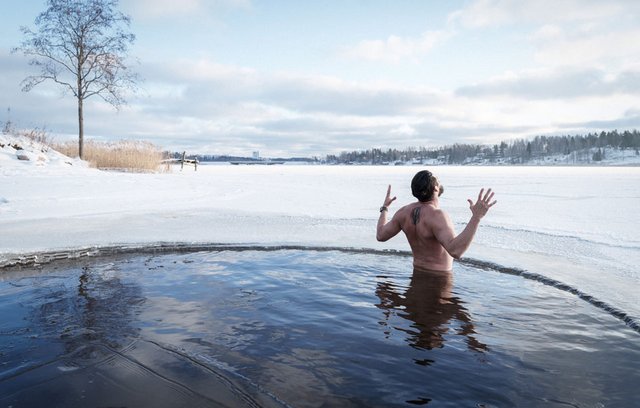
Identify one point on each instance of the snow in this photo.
(51, 202)
(33, 154)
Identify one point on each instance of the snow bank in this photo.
(19, 153)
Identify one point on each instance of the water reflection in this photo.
(106, 306)
(91, 308)
(430, 307)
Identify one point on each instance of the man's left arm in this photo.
(458, 245)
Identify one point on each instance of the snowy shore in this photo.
(50, 202)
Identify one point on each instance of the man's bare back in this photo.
(429, 229)
(416, 221)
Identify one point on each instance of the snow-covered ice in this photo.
(574, 224)
(56, 204)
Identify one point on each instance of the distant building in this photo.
(256, 155)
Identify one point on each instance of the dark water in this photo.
(303, 329)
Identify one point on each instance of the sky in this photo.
(297, 78)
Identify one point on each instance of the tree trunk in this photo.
(80, 95)
(80, 129)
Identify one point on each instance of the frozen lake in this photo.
(577, 225)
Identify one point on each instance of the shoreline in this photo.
(38, 258)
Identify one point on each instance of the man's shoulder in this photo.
(428, 211)
(405, 209)
(433, 215)
(402, 214)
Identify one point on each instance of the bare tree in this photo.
(81, 45)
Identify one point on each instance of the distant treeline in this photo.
(228, 158)
(517, 151)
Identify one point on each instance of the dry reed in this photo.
(37, 135)
(124, 155)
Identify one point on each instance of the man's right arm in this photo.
(387, 230)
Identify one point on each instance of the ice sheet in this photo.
(577, 225)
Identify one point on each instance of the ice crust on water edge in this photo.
(164, 248)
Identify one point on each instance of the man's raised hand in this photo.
(388, 199)
(481, 207)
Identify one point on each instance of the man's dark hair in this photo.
(422, 185)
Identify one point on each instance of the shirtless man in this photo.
(429, 229)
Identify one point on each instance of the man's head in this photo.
(423, 185)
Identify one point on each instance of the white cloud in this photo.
(618, 48)
(234, 110)
(204, 86)
(548, 32)
(204, 69)
(581, 48)
(565, 33)
(566, 84)
(152, 9)
(404, 129)
(486, 13)
(395, 49)
(207, 107)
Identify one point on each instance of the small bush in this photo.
(125, 155)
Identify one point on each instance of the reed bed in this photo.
(123, 155)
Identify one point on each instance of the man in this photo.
(429, 229)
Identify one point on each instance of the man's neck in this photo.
(435, 202)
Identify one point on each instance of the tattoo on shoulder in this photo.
(416, 215)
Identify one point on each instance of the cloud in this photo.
(335, 96)
(563, 33)
(404, 129)
(278, 113)
(211, 108)
(201, 104)
(44, 107)
(629, 120)
(283, 112)
(491, 13)
(396, 49)
(154, 9)
(580, 47)
(204, 86)
(554, 84)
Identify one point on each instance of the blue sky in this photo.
(294, 78)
